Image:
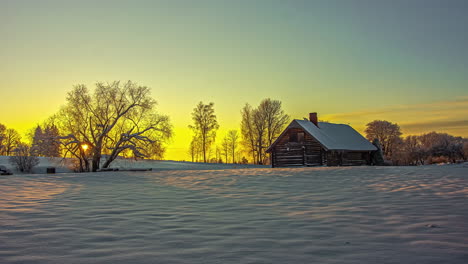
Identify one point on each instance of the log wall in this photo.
(309, 152)
(348, 158)
(355, 158)
(306, 153)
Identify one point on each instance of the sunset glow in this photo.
(84, 147)
(350, 61)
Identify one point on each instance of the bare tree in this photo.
(261, 126)
(143, 137)
(155, 150)
(247, 131)
(413, 151)
(2, 137)
(204, 126)
(23, 160)
(397, 153)
(386, 132)
(194, 149)
(431, 147)
(218, 155)
(11, 139)
(442, 145)
(225, 149)
(275, 118)
(233, 140)
(115, 118)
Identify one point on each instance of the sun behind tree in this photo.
(117, 118)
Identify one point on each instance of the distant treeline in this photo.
(120, 119)
(259, 127)
(422, 149)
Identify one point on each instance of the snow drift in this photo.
(302, 215)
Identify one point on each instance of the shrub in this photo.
(22, 159)
(244, 161)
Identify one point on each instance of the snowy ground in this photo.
(123, 164)
(262, 215)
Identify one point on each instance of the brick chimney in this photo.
(313, 118)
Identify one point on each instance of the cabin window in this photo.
(293, 137)
(300, 137)
(296, 137)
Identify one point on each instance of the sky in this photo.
(350, 61)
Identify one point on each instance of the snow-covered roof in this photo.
(333, 136)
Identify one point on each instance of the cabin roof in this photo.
(332, 136)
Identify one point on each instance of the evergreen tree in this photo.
(37, 141)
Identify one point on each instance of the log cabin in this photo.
(313, 143)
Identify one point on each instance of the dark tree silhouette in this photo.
(116, 118)
(204, 126)
(386, 132)
(261, 126)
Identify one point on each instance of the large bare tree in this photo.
(261, 126)
(386, 132)
(204, 126)
(117, 117)
(274, 117)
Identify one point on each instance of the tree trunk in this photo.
(108, 161)
(95, 163)
(204, 149)
(96, 159)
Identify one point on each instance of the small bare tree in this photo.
(233, 140)
(10, 142)
(22, 159)
(204, 126)
(2, 137)
(218, 155)
(247, 132)
(225, 149)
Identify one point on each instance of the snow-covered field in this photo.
(256, 215)
(62, 165)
